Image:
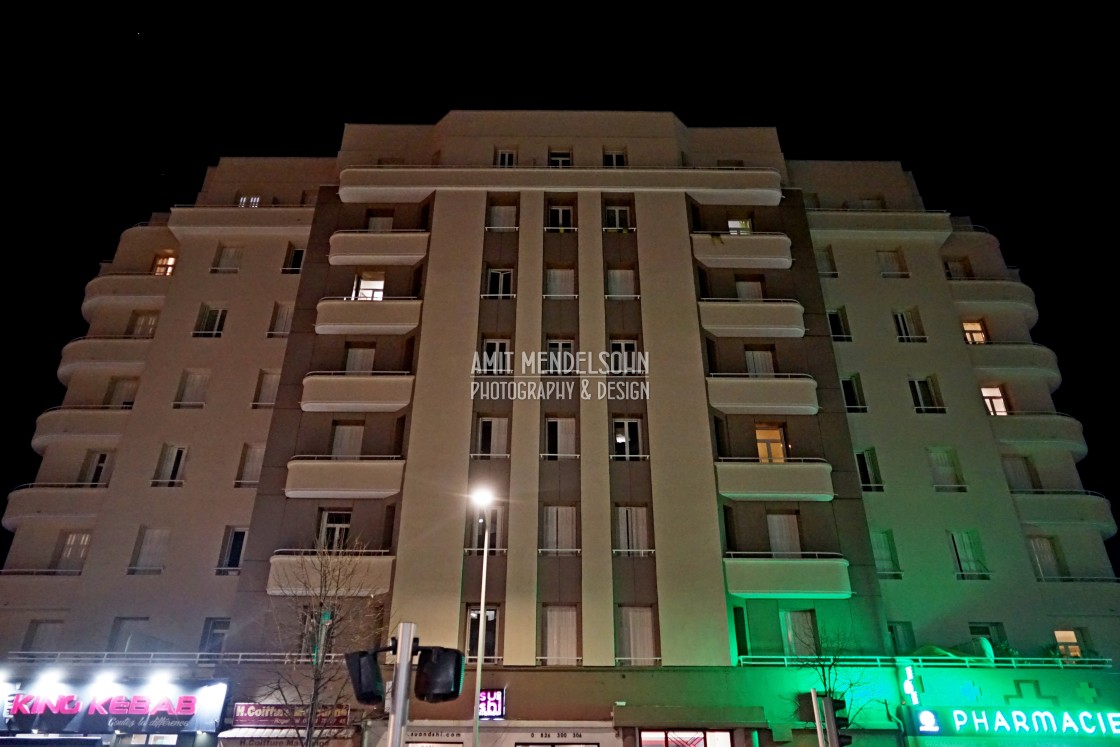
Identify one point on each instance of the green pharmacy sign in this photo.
(944, 721)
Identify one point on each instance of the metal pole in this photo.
(479, 645)
(398, 697)
(817, 718)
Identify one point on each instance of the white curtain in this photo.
(760, 362)
(267, 388)
(970, 559)
(565, 435)
(73, 554)
(801, 632)
(171, 461)
(620, 283)
(559, 530)
(252, 457)
(560, 634)
(347, 440)
(503, 216)
(560, 282)
(636, 639)
(381, 223)
(882, 546)
(1018, 472)
(282, 319)
(194, 387)
(890, 263)
(499, 436)
(784, 535)
(1045, 557)
(943, 464)
(229, 258)
(748, 290)
(359, 359)
(153, 547)
(633, 528)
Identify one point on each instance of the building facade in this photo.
(755, 427)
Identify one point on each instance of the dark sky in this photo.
(124, 123)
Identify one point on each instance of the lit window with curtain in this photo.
(560, 635)
(636, 644)
(785, 534)
(770, 440)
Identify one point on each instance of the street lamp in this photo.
(481, 498)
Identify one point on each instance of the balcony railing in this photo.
(964, 662)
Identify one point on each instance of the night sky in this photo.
(125, 123)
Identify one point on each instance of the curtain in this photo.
(269, 385)
(785, 538)
(633, 528)
(359, 359)
(503, 216)
(882, 546)
(347, 440)
(560, 634)
(560, 282)
(801, 632)
(194, 387)
(636, 644)
(760, 362)
(252, 458)
(153, 548)
(620, 283)
(748, 290)
(1045, 557)
(969, 556)
(282, 319)
(943, 464)
(559, 530)
(1018, 472)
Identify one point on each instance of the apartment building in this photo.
(754, 427)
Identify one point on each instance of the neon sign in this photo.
(1001, 722)
(492, 704)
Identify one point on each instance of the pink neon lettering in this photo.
(97, 707)
(119, 705)
(186, 705)
(138, 706)
(164, 705)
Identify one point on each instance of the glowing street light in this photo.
(481, 498)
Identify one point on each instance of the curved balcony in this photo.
(104, 423)
(125, 290)
(347, 391)
(75, 503)
(762, 251)
(998, 359)
(1048, 507)
(51, 590)
(112, 355)
(770, 394)
(1048, 429)
(288, 221)
(977, 296)
(806, 575)
(365, 247)
(791, 480)
(348, 316)
(770, 317)
(344, 477)
(352, 573)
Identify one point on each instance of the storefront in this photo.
(285, 725)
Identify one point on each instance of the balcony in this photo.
(378, 248)
(111, 355)
(771, 394)
(979, 296)
(285, 221)
(125, 290)
(1047, 429)
(348, 316)
(805, 575)
(344, 477)
(762, 251)
(95, 422)
(352, 573)
(347, 391)
(1000, 359)
(1065, 507)
(857, 223)
(791, 480)
(74, 503)
(771, 317)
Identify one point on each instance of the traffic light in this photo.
(365, 677)
(439, 674)
(834, 723)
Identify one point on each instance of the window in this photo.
(958, 268)
(96, 468)
(632, 530)
(315, 633)
(43, 635)
(975, 332)
(150, 551)
(559, 438)
(946, 470)
(499, 283)
(226, 260)
(70, 553)
(968, 556)
(560, 218)
(380, 221)
(926, 395)
(758, 361)
(868, 466)
(560, 282)
(886, 557)
(369, 285)
(838, 325)
(492, 438)
(505, 158)
(476, 529)
(502, 218)
(621, 283)
(624, 357)
(249, 470)
(559, 159)
(561, 357)
(142, 324)
(281, 323)
(293, 260)
(490, 634)
(192, 389)
(268, 385)
(558, 530)
(233, 543)
(771, 442)
(123, 630)
(559, 634)
(852, 389)
(122, 392)
(627, 439)
(784, 530)
(359, 358)
(892, 264)
(740, 226)
(995, 399)
(334, 529)
(614, 159)
(169, 470)
(211, 320)
(901, 635)
(346, 438)
(799, 630)
(214, 632)
(1072, 644)
(908, 326)
(164, 263)
(826, 262)
(616, 218)
(749, 289)
(1045, 557)
(636, 644)
(1020, 473)
(251, 201)
(496, 358)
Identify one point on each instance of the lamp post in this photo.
(482, 498)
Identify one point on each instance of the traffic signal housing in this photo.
(365, 677)
(439, 674)
(834, 722)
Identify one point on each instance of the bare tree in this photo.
(827, 655)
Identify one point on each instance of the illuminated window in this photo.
(892, 264)
(250, 201)
(946, 470)
(1045, 558)
(614, 159)
(211, 321)
(70, 554)
(1072, 643)
(852, 389)
(559, 633)
(627, 434)
(968, 556)
(975, 332)
(740, 226)
(908, 326)
(770, 440)
(637, 645)
(558, 529)
(559, 159)
(505, 158)
(838, 325)
(369, 285)
(686, 738)
(799, 632)
(886, 556)
(926, 395)
(164, 264)
(868, 466)
(995, 399)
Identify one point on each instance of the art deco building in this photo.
(754, 426)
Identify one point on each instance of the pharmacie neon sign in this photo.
(1002, 722)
